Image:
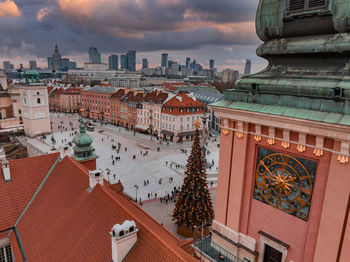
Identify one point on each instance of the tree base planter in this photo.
(184, 231)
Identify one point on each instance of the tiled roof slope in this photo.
(26, 176)
(66, 222)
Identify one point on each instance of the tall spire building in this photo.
(56, 59)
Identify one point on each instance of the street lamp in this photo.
(136, 187)
(204, 133)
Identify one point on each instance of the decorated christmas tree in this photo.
(193, 205)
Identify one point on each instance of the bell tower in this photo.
(283, 184)
(83, 150)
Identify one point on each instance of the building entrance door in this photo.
(272, 255)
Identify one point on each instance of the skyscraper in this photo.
(72, 65)
(131, 57)
(94, 55)
(164, 60)
(123, 62)
(56, 59)
(7, 65)
(32, 65)
(49, 62)
(211, 64)
(113, 62)
(248, 65)
(188, 62)
(65, 64)
(144, 63)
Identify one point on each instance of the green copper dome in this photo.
(83, 149)
(82, 139)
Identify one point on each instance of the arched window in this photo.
(121, 233)
(38, 100)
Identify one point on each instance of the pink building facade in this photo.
(95, 102)
(149, 113)
(283, 191)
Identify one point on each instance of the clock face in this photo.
(285, 182)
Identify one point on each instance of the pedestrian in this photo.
(151, 194)
(114, 176)
(166, 163)
(144, 182)
(126, 149)
(134, 157)
(166, 201)
(148, 195)
(113, 162)
(155, 195)
(211, 183)
(140, 152)
(147, 181)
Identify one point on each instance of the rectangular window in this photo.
(296, 6)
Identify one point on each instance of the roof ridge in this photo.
(37, 190)
(32, 157)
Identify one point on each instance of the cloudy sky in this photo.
(202, 29)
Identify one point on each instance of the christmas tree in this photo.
(193, 205)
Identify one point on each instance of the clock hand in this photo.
(263, 164)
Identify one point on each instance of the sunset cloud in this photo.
(219, 29)
(9, 9)
(42, 13)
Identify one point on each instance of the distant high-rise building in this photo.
(123, 62)
(72, 65)
(211, 64)
(49, 62)
(7, 65)
(131, 57)
(170, 63)
(94, 55)
(188, 62)
(113, 62)
(65, 64)
(229, 76)
(144, 63)
(164, 60)
(32, 65)
(248, 65)
(56, 59)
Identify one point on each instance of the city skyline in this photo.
(224, 31)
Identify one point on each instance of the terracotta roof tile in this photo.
(26, 176)
(66, 222)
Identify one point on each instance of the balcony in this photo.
(213, 252)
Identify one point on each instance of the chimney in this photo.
(124, 238)
(95, 177)
(6, 172)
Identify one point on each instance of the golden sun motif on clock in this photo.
(284, 183)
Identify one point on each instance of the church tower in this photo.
(83, 150)
(283, 189)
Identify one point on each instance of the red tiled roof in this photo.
(66, 222)
(119, 94)
(184, 102)
(49, 89)
(26, 176)
(71, 90)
